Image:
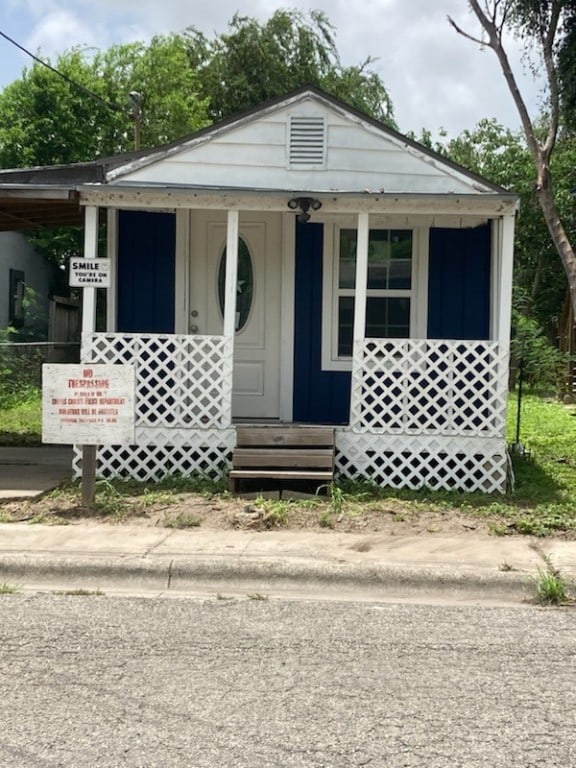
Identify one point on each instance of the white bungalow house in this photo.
(301, 264)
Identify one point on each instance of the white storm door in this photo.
(256, 382)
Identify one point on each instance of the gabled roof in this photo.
(55, 188)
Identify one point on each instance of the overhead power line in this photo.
(113, 107)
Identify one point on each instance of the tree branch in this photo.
(464, 34)
(495, 42)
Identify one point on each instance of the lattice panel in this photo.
(208, 452)
(421, 386)
(181, 381)
(410, 462)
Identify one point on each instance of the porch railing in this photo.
(422, 386)
(182, 382)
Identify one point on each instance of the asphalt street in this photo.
(102, 681)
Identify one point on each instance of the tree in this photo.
(49, 119)
(255, 62)
(539, 23)
(501, 155)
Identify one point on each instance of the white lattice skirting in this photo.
(159, 453)
(425, 386)
(181, 381)
(424, 413)
(438, 463)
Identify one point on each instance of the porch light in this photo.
(304, 204)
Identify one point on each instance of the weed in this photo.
(46, 518)
(80, 592)
(256, 596)
(550, 587)
(8, 589)
(326, 519)
(275, 512)
(109, 500)
(336, 499)
(182, 520)
(498, 529)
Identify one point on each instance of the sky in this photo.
(436, 79)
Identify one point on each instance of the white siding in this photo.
(254, 155)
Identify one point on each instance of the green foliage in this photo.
(550, 587)
(46, 120)
(254, 62)
(8, 589)
(542, 363)
(182, 521)
(501, 155)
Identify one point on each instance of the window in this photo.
(389, 287)
(17, 287)
(244, 285)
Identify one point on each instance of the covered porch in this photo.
(418, 411)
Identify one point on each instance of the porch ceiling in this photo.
(31, 214)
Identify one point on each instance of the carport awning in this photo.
(34, 209)
(35, 198)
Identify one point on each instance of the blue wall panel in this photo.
(321, 397)
(459, 283)
(146, 272)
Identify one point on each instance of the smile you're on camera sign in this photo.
(90, 273)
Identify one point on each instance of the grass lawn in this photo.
(541, 502)
(21, 419)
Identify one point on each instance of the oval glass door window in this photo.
(244, 286)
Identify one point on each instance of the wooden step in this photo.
(283, 453)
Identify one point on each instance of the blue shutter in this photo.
(146, 272)
(459, 283)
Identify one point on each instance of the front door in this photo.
(256, 381)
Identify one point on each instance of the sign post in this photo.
(88, 405)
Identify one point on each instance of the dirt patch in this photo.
(189, 510)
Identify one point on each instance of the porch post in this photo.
(359, 314)
(506, 267)
(361, 279)
(89, 452)
(230, 304)
(90, 252)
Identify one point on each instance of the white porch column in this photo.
(230, 303)
(361, 279)
(359, 316)
(506, 269)
(90, 252)
(112, 253)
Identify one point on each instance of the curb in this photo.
(185, 574)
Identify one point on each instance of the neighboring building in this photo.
(300, 264)
(21, 267)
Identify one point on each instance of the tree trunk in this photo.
(558, 234)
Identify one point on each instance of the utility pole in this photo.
(136, 115)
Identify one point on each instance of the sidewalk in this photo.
(137, 558)
(333, 565)
(27, 472)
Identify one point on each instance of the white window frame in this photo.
(418, 293)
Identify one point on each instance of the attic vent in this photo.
(307, 141)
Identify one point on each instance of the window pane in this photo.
(379, 255)
(347, 272)
(389, 259)
(388, 318)
(244, 286)
(401, 263)
(345, 325)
